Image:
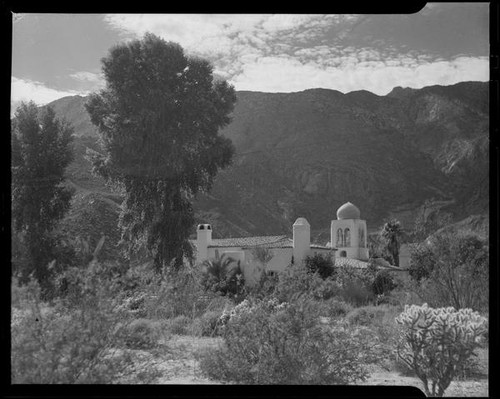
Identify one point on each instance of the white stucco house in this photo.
(348, 245)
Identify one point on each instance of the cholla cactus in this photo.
(437, 341)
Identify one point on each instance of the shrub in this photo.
(206, 325)
(140, 334)
(296, 280)
(459, 275)
(178, 325)
(383, 283)
(179, 293)
(321, 264)
(365, 316)
(73, 340)
(335, 308)
(356, 284)
(274, 343)
(437, 341)
(325, 289)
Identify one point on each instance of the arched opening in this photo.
(340, 238)
(347, 237)
(343, 254)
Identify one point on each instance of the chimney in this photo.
(301, 239)
(203, 240)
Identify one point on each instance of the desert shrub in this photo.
(459, 275)
(140, 334)
(380, 321)
(207, 325)
(73, 339)
(269, 342)
(178, 293)
(321, 264)
(422, 262)
(335, 308)
(383, 283)
(437, 341)
(264, 287)
(356, 294)
(356, 284)
(178, 325)
(365, 316)
(296, 280)
(325, 289)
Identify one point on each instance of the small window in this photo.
(202, 227)
(209, 227)
(271, 273)
(343, 254)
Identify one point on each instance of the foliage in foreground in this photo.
(268, 342)
(81, 337)
(437, 342)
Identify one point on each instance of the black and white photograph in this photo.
(252, 199)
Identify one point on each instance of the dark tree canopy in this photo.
(159, 119)
(41, 152)
(392, 233)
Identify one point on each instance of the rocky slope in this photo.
(306, 153)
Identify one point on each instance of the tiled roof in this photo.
(317, 246)
(283, 242)
(359, 264)
(247, 241)
(260, 241)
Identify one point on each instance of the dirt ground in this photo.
(467, 388)
(177, 364)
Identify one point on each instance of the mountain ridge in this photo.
(305, 153)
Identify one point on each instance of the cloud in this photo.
(85, 76)
(282, 74)
(29, 90)
(292, 52)
(86, 81)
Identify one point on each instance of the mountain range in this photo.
(307, 153)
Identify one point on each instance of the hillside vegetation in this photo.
(306, 153)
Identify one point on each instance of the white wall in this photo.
(356, 249)
(252, 268)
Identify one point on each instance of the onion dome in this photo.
(348, 211)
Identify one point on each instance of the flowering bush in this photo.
(269, 342)
(247, 307)
(437, 341)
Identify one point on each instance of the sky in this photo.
(58, 55)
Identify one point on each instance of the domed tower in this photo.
(349, 234)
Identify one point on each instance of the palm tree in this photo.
(392, 232)
(220, 275)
